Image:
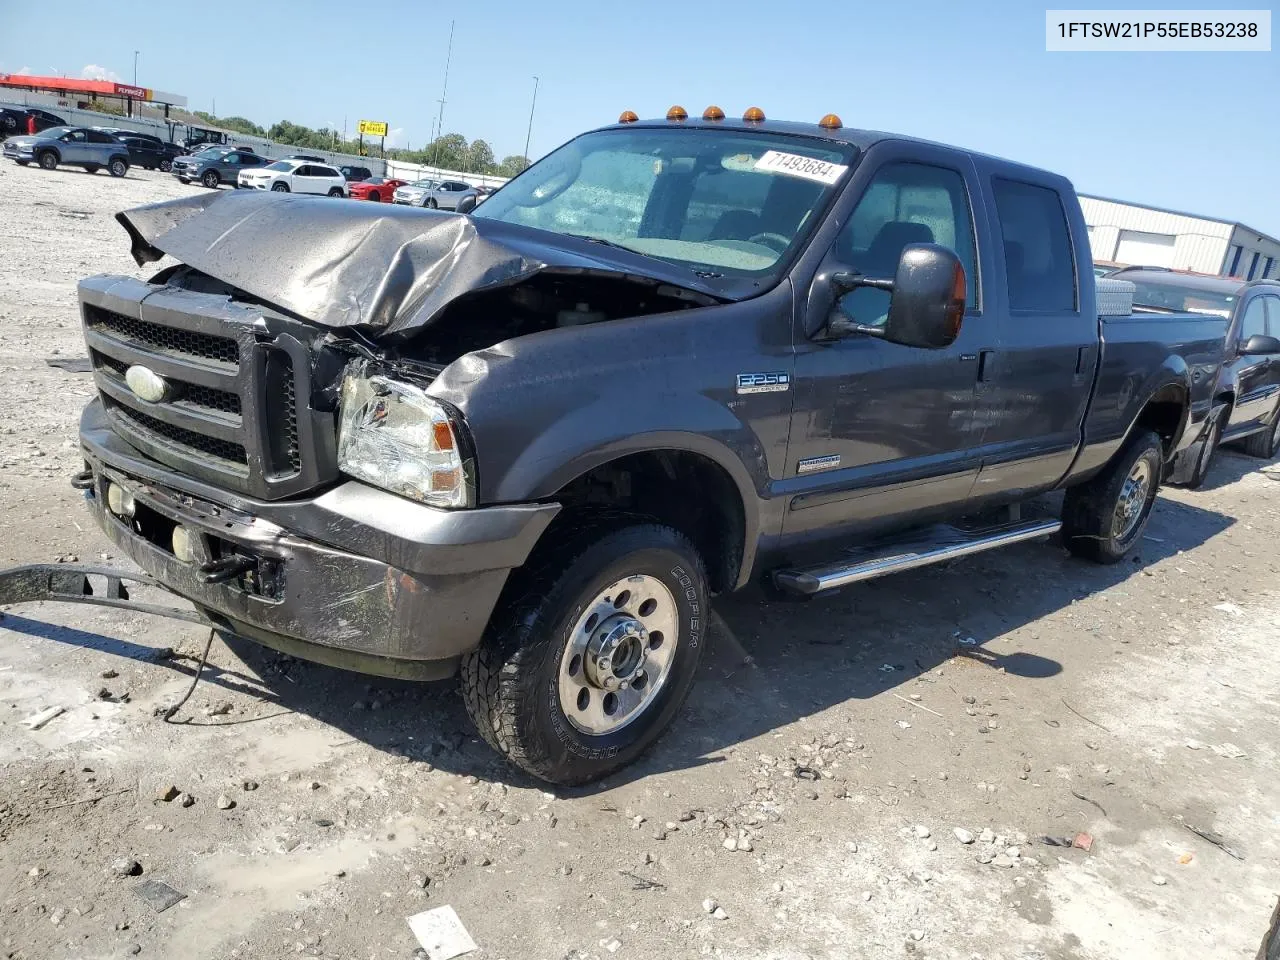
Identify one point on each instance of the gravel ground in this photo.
(817, 789)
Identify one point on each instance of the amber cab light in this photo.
(830, 122)
(713, 113)
(628, 116)
(753, 115)
(677, 113)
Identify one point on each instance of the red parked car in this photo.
(376, 189)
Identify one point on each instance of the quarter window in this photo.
(1039, 264)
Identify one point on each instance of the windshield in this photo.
(280, 165)
(720, 201)
(1159, 296)
(55, 132)
(426, 184)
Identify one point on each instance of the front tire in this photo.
(374, 197)
(591, 652)
(1103, 518)
(166, 166)
(211, 179)
(280, 187)
(336, 192)
(430, 203)
(1265, 444)
(48, 160)
(117, 167)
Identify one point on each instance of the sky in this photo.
(1197, 132)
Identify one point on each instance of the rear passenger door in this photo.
(1034, 385)
(1257, 377)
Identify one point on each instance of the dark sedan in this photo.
(148, 151)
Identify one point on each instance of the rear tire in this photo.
(336, 192)
(118, 167)
(211, 179)
(513, 684)
(374, 197)
(1264, 444)
(48, 160)
(1103, 518)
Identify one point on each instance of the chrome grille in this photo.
(238, 412)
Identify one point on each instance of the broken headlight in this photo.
(393, 435)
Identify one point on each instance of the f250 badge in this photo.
(764, 382)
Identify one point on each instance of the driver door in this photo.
(75, 146)
(884, 433)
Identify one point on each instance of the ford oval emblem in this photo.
(147, 384)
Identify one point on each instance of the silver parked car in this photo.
(432, 194)
(72, 146)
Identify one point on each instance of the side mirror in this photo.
(927, 299)
(1260, 344)
(467, 203)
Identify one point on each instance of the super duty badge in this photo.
(763, 382)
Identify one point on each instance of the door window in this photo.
(75, 136)
(231, 159)
(1273, 315)
(96, 136)
(1254, 320)
(1039, 264)
(905, 203)
(326, 172)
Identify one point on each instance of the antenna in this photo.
(444, 93)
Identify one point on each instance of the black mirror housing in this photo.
(928, 298)
(1260, 344)
(927, 301)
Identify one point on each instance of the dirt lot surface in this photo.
(839, 746)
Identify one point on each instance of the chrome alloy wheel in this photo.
(1133, 497)
(619, 655)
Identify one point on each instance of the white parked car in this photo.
(295, 176)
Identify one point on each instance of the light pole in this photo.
(135, 68)
(444, 93)
(529, 135)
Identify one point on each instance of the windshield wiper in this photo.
(696, 271)
(602, 241)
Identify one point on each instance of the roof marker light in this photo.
(713, 113)
(628, 116)
(830, 122)
(753, 115)
(677, 113)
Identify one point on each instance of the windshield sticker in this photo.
(794, 165)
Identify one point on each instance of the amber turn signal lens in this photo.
(713, 113)
(830, 122)
(753, 115)
(628, 116)
(677, 113)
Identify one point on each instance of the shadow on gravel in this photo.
(1231, 464)
(768, 664)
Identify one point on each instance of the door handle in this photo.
(986, 364)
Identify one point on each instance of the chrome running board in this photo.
(934, 545)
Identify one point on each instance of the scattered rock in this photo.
(109, 674)
(916, 935)
(720, 914)
(710, 905)
(219, 709)
(225, 802)
(851, 846)
(986, 836)
(1002, 860)
(1158, 880)
(1082, 841)
(250, 785)
(866, 896)
(167, 793)
(730, 843)
(931, 845)
(687, 816)
(612, 944)
(315, 784)
(1229, 751)
(1014, 852)
(922, 831)
(963, 835)
(60, 914)
(985, 857)
(322, 822)
(126, 867)
(186, 799)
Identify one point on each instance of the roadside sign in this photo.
(374, 128)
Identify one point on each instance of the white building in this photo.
(1129, 233)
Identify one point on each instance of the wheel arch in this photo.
(656, 481)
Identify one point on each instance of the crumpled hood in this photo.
(344, 264)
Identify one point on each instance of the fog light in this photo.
(183, 544)
(120, 501)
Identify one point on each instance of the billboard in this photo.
(373, 128)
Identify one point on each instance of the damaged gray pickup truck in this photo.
(672, 358)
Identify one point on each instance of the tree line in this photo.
(450, 152)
